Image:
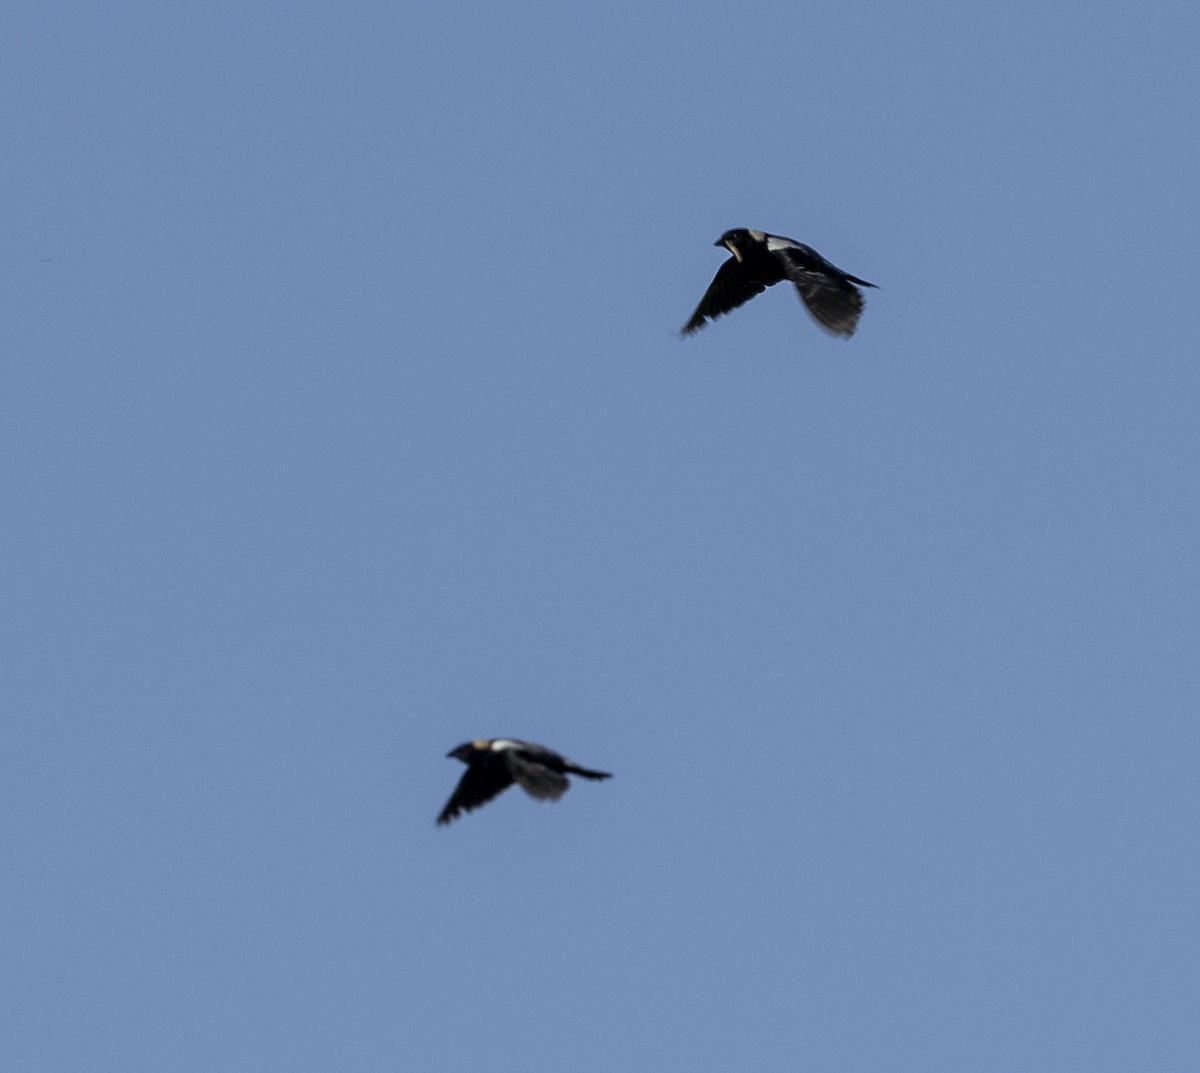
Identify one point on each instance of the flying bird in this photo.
(494, 764)
(760, 260)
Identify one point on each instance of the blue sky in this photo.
(345, 419)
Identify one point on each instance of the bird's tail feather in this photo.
(575, 769)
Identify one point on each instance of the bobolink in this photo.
(494, 764)
(760, 260)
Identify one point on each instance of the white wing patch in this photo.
(778, 242)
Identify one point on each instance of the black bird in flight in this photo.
(760, 260)
(494, 764)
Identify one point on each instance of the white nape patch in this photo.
(778, 242)
(758, 236)
(500, 744)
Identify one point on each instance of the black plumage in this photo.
(760, 260)
(494, 764)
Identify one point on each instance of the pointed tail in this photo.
(575, 769)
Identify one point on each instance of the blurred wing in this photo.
(827, 292)
(836, 307)
(536, 779)
(478, 786)
(729, 289)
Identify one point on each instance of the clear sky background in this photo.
(344, 418)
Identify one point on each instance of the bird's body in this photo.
(494, 764)
(760, 261)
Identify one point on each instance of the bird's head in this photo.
(464, 751)
(735, 241)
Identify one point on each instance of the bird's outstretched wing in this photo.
(730, 288)
(828, 293)
(479, 784)
(536, 779)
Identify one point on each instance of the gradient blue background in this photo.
(344, 419)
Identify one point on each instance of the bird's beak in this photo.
(731, 248)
